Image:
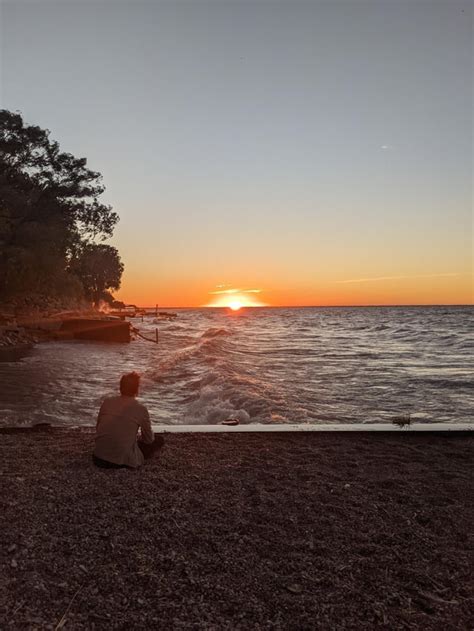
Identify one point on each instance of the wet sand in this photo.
(243, 531)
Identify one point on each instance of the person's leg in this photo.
(149, 449)
(105, 464)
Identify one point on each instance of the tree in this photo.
(99, 268)
(49, 209)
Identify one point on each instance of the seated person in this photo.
(118, 422)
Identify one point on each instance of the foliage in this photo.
(99, 268)
(49, 211)
(117, 304)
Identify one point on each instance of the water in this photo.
(315, 365)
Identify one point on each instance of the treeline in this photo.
(51, 222)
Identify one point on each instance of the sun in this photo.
(235, 299)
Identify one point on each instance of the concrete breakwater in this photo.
(103, 330)
(97, 328)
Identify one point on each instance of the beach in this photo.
(275, 531)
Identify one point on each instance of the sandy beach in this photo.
(239, 531)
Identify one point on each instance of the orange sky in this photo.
(353, 256)
(449, 288)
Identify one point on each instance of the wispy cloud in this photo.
(379, 278)
(225, 291)
(235, 291)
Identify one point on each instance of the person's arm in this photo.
(100, 415)
(145, 427)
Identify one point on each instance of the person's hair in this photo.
(129, 384)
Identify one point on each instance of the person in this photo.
(119, 420)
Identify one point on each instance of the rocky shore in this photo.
(298, 531)
(23, 329)
(12, 336)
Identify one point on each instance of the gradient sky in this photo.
(320, 152)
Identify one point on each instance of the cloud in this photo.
(225, 291)
(235, 291)
(379, 278)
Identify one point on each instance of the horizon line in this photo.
(351, 306)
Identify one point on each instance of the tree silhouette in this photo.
(99, 268)
(49, 210)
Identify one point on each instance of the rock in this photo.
(14, 563)
(230, 421)
(294, 588)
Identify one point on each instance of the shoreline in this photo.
(413, 427)
(268, 428)
(22, 332)
(345, 530)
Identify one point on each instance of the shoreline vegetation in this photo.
(270, 532)
(52, 226)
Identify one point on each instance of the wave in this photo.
(215, 332)
(448, 384)
(229, 391)
(271, 366)
(171, 362)
(212, 407)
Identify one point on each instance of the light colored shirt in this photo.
(118, 423)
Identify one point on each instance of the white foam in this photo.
(210, 407)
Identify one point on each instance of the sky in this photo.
(315, 153)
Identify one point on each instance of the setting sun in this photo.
(234, 298)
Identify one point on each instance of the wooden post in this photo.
(156, 335)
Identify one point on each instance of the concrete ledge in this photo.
(97, 329)
(307, 427)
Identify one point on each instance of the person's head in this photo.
(129, 384)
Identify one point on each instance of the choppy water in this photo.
(313, 365)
